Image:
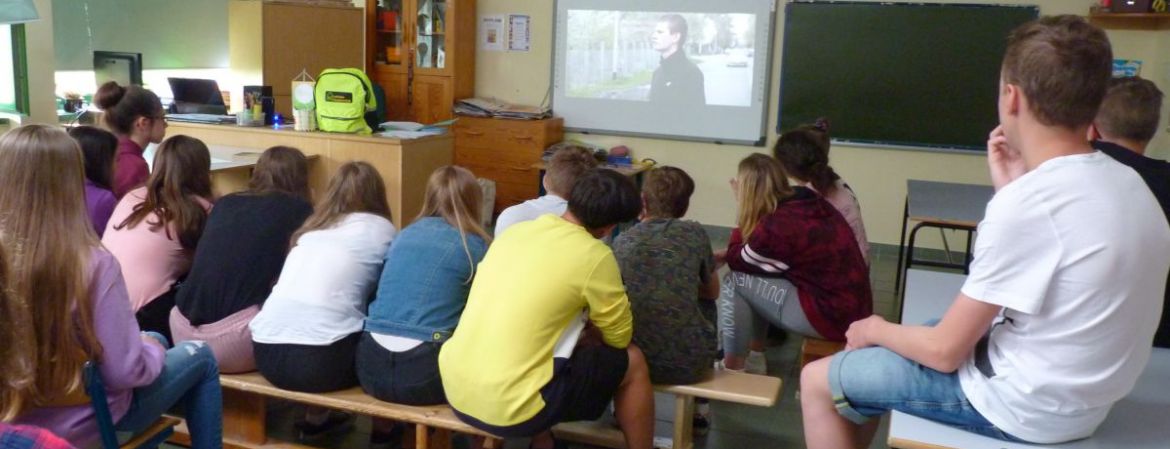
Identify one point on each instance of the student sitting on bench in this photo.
(1128, 119)
(239, 257)
(794, 264)
(521, 359)
(421, 294)
(1053, 325)
(306, 336)
(566, 165)
(155, 229)
(669, 273)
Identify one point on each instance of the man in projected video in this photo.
(677, 82)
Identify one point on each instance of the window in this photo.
(13, 70)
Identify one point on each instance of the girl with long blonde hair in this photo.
(794, 264)
(68, 293)
(305, 338)
(422, 292)
(155, 229)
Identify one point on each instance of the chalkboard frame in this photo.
(788, 66)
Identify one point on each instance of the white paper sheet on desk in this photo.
(402, 126)
(410, 134)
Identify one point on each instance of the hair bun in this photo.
(109, 95)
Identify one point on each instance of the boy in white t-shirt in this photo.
(1054, 323)
(566, 165)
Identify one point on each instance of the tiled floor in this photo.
(733, 426)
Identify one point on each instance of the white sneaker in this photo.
(721, 367)
(755, 363)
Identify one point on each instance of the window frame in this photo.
(20, 71)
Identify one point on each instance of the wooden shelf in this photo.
(1131, 21)
(390, 31)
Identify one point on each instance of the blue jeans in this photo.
(189, 377)
(872, 381)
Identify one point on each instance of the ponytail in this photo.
(122, 105)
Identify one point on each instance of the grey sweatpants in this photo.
(748, 303)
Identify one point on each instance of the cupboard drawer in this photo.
(495, 138)
(509, 194)
(502, 158)
(503, 175)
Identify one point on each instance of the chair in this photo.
(148, 439)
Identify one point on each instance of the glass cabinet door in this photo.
(390, 34)
(430, 28)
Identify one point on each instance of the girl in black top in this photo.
(240, 256)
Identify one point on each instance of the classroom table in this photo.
(404, 164)
(942, 205)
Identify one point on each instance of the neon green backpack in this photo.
(343, 96)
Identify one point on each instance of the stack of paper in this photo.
(491, 107)
(413, 130)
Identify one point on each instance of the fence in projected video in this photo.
(688, 59)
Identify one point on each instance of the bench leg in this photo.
(243, 419)
(490, 443)
(684, 411)
(422, 438)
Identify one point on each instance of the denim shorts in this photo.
(870, 382)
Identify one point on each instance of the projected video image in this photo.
(669, 59)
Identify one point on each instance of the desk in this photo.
(942, 205)
(929, 294)
(405, 164)
(1137, 421)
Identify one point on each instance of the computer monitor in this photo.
(196, 96)
(125, 68)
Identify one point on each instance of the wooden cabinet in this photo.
(270, 43)
(506, 151)
(422, 53)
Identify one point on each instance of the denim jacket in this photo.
(424, 282)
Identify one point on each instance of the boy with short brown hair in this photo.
(1053, 324)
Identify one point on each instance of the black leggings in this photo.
(309, 369)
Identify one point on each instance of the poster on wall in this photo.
(491, 33)
(519, 35)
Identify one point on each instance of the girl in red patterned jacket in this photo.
(794, 264)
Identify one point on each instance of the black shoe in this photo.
(335, 422)
(387, 440)
(700, 425)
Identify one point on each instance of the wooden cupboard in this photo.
(422, 53)
(507, 152)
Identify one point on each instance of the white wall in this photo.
(878, 176)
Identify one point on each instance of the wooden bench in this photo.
(244, 399)
(815, 348)
(726, 386)
(1138, 421)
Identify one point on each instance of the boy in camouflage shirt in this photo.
(668, 269)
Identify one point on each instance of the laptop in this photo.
(196, 96)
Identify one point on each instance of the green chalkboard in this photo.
(906, 74)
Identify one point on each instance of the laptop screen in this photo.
(193, 95)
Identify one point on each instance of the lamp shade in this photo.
(17, 11)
